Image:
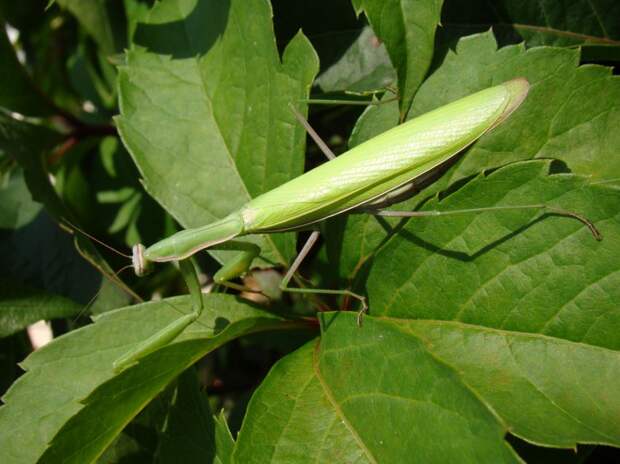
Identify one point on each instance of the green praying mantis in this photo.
(366, 178)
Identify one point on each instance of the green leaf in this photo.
(570, 113)
(42, 256)
(514, 270)
(138, 441)
(28, 143)
(199, 97)
(361, 396)
(39, 248)
(72, 394)
(533, 382)
(136, 11)
(290, 418)
(18, 209)
(190, 434)
(98, 20)
(407, 27)
(12, 350)
(224, 443)
(539, 23)
(22, 305)
(385, 393)
(364, 66)
(17, 92)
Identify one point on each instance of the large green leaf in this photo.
(535, 383)
(71, 394)
(408, 29)
(513, 270)
(559, 23)
(389, 391)
(204, 109)
(290, 418)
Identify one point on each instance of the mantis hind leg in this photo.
(172, 330)
(329, 154)
(323, 291)
(542, 207)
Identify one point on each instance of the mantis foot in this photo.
(362, 311)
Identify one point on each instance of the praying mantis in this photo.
(370, 176)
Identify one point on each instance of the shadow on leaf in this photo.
(207, 20)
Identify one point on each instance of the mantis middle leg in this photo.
(242, 262)
(324, 291)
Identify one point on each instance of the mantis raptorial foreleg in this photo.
(232, 269)
(172, 330)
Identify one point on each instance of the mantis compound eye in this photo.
(140, 265)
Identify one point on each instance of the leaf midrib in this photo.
(330, 397)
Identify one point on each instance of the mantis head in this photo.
(141, 266)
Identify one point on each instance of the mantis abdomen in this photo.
(383, 163)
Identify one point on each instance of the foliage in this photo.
(491, 337)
